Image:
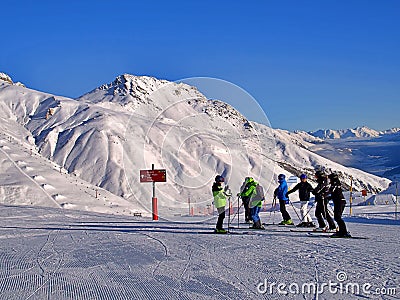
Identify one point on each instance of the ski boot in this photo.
(289, 222)
(286, 222)
(330, 229)
(257, 225)
(220, 231)
(320, 229)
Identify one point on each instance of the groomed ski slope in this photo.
(52, 253)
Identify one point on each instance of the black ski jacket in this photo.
(304, 190)
(217, 187)
(322, 189)
(336, 193)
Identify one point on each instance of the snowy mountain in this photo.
(357, 132)
(373, 151)
(107, 135)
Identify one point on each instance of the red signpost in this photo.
(153, 176)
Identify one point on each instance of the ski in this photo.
(277, 224)
(220, 233)
(321, 234)
(270, 224)
(247, 229)
(236, 231)
(309, 230)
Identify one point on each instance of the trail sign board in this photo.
(153, 175)
(292, 180)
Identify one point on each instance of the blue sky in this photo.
(310, 64)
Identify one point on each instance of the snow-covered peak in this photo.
(364, 131)
(358, 132)
(125, 90)
(392, 130)
(140, 94)
(161, 99)
(130, 84)
(5, 77)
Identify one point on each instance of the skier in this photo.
(304, 189)
(280, 193)
(245, 199)
(321, 209)
(255, 193)
(220, 194)
(336, 194)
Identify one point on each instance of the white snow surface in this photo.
(52, 253)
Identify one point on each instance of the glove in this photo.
(287, 195)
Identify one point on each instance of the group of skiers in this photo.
(252, 196)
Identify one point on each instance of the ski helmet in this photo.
(333, 177)
(319, 174)
(281, 177)
(303, 176)
(219, 178)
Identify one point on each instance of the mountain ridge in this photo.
(357, 132)
(105, 138)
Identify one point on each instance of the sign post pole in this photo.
(154, 200)
(153, 176)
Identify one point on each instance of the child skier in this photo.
(321, 209)
(305, 189)
(280, 193)
(254, 192)
(220, 194)
(336, 194)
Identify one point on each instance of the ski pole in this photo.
(272, 205)
(238, 208)
(274, 208)
(308, 211)
(237, 213)
(327, 212)
(295, 210)
(229, 212)
(330, 211)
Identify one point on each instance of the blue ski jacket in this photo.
(281, 191)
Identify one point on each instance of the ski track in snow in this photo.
(47, 254)
(23, 172)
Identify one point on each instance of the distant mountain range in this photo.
(358, 132)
